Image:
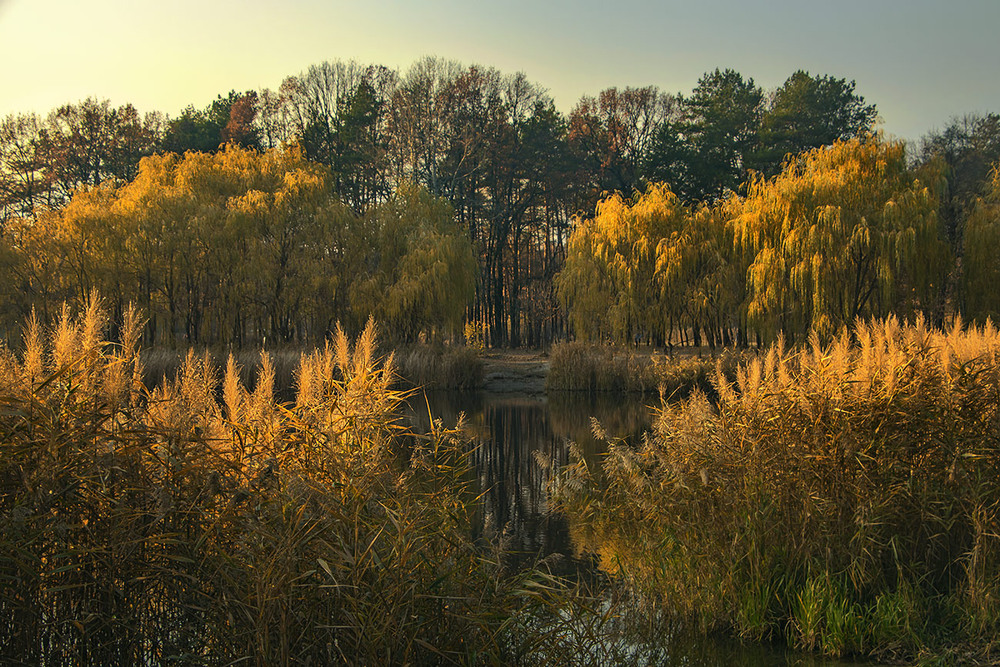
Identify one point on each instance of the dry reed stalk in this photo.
(844, 492)
(176, 525)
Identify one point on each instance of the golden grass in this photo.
(203, 522)
(601, 368)
(424, 366)
(580, 366)
(845, 497)
(440, 367)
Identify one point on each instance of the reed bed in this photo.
(424, 366)
(161, 364)
(203, 522)
(842, 497)
(580, 366)
(440, 367)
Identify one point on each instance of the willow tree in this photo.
(842, 232)
(293, 224)
(421, 268)
(84, 237)
(980, 268)
(584, 285)
(623, 268)
(225, 247)
(232, 244)
(31, 269)
(709, 278)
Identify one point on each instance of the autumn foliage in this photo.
(519, 177)
(844, 231)
(237, 246)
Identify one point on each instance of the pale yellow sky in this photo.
(920, 61)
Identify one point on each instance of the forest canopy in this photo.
(354, 190)
(236, 246)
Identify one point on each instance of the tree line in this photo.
(239, 246)
(513, 172)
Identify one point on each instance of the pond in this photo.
(509, 433)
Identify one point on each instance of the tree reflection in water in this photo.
(508, 433)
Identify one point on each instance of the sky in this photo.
(921, 62)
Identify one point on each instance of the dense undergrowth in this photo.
(204, 523)
(440, 367)
(844, 498)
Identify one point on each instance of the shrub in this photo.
(583, 367)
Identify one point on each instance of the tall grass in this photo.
(162, 363)
(424, 366)
(844, 497)
(440, 367)
(579, 366)
(203, 522)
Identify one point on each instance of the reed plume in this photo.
(842, 495)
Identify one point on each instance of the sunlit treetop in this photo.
(835, 235)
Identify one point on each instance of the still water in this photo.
(509, 432)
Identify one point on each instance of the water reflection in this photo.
(509, 432)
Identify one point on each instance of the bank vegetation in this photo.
(842, 497)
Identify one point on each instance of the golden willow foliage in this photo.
(584, 285)
(203, 523)
(843, 232)
(426, 272)
(624, 268)
(239, 245)
(643, 269)
(845, 496)
(981, 261)
(714, 275)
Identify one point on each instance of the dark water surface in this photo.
(510, 432)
